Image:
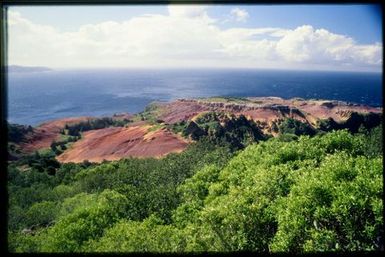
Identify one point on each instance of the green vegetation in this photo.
(57, 147)
(234, 189)
(222, 128)
(16, 132)
(155, 127)
(99, 123)
(293, 193)
(150, 114)
(72, 133)
(353, 123)
(295, 127)
(83, 200)
(178, 127)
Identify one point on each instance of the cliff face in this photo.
(151, 137)
(264, 109)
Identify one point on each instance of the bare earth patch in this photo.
(264, 109)
(115, 143)
(47, 132)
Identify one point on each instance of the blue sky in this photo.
(360, 23)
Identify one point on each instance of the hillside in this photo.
(263, 109)
(216, 174)
(116, 143)
(163, 128)
(297, 195)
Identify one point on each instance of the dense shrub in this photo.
(224, 129)
(296, 127)
(16, 132)
(99, 123)
(286, 194)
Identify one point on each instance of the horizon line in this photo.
(192, 68)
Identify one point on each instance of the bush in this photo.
(147, 236)
(84, 223)
(286, 194)
(296, 127)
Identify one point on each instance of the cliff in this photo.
(154, 132)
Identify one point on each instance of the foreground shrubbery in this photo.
(69, 199)
(285, 194)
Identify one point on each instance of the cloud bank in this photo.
(186, 37)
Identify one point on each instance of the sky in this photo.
(310, 37)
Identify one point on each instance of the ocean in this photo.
(36, 97)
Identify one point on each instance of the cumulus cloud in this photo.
(308, 45)
(187, 36)
(239, 14)
(189, 11)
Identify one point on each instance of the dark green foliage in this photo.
(158, 178)
(58, 147)
(356, 120)
(287, 194)
(194, 131)
(223, 129)
(296, 127)
(150, 113)
(178, 127)
(38, 162)
(328, 125)
(353, 123)
(149, 186)
(287, 137)
(374, 142)
(85, 223)
(276, 196)
(41, 214)
(16, 132)
(99, 123)
(151, 235)
(43, 163)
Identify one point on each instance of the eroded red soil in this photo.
(47, 132)
(115, 143)
(138, 140)
(265, 109)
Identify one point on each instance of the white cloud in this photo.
(188, 11)
(239, 14)
(186, 37)
(308, 45)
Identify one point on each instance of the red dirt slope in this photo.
(47, 132)
(264, 109)
(115, 143)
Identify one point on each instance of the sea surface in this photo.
(35, 97)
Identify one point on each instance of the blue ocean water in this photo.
(35, 97)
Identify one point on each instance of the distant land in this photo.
(164, 128)
(18, 68)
